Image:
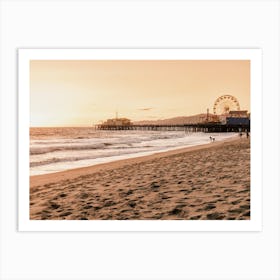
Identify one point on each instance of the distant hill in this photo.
(200, 118)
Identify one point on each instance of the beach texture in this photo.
(208, 182)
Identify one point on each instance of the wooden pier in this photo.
(199, 127)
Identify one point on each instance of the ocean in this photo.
(58, 149)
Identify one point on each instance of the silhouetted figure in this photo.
(247, 134)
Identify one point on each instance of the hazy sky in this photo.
(80, 93)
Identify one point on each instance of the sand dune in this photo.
(209, 182)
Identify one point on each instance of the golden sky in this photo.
(80, 93)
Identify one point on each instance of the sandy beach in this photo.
(207, 182)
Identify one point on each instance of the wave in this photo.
(55, 160)
(50, 146)
(81, 158)
(44, 150)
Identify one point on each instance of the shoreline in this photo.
(62, 156)
(36, 180)
(205, 182)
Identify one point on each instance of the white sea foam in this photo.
(50, 152)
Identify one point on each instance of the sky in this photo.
(83, 93)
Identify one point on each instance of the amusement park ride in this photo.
(224, 104)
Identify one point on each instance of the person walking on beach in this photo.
(247, 134)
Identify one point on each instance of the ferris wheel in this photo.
(224, 104)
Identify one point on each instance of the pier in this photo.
(199, 127)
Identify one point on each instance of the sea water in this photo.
(58, 149)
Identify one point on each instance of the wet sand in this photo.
(207, 182)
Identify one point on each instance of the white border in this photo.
(254, 55)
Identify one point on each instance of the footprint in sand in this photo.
(54, 205)
(215, 216)
(154, 185)
(235, 202)
(132, 204)
(84, 195)
(65, 214)
(195, 217)
(209, 206)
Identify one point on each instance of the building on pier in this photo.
(238, 118)
(119, 122)
(239, 114)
